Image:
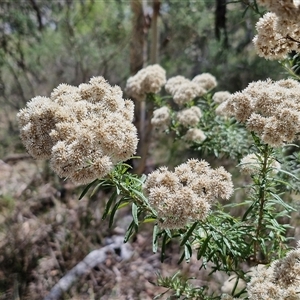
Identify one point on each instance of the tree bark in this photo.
(154, 31)
(138, 57)
(139, 31)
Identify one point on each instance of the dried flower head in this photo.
(221, 110)
(187, 92)
(279, 281)
(185, 195)
(269, 108)
(220, 97)
(161, 117)
(174, 83)
(206, 81)
(84, 130)
(183, 90)
(289, 9)
(189, 117)
(36, 122)
(195, 135)
(269, 41)
(148, 80)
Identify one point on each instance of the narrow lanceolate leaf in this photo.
(123, 204)
(248, 210)
(181, 258)
(280, 201)
(149, 220)
(188, 234)
(168, 232)
(143, 178)
(203, 248)
(129, 232)
(112, 198)
(135, 214)
(155, 238)
(140, 195)
(288, 173)
(86, 189)
(96, 188)
(113, 212)
(187, 252)
(163, 247)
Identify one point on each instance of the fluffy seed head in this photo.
(148, 80)
(84, 130)
(185, 195)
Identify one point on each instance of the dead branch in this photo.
(13, 158)
(89, 262)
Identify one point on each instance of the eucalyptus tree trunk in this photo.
(154, 32)
(141, 22)
(138, 57)
(138, 38)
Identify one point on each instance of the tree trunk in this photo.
(154, 32)
(138, 57)
(138, 41)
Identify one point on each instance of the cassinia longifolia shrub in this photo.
(87, 133)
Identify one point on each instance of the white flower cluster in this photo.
(269, 108)
(84, 130)
(279, 281)
(278, 32)
(188, 118)
(287, 9)
(152, 78)
(148, 80)
(184, 90)
(185, 195)
(161, 117)
(221, 98)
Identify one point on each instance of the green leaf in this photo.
(288, 173)
(155, 238)
(187, 252)
(181, 258)
(123, 204)
(129, 232)
(143, 178)
(203, 248)
(149, 220)
(86, 189)
(188, 234)
(168, 232)
(113, 212)
(111, 199)
(248, 211)
(163, 247)
(97, 187)
(140, 195)
(285, 205)
(136, 181)
(235, 285)
(134, 210)
(226, 243)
